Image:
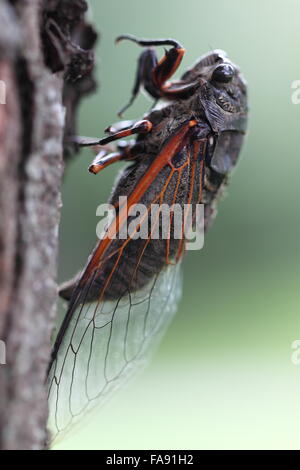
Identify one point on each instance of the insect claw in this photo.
(84, 141)
(122, 110)
(126, 36)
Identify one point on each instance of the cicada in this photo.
(183, 152)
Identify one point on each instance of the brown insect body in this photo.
(183, 154)
(220, 112)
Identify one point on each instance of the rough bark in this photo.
(41, 66)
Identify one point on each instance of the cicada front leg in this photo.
(125, 151)
(151, 73)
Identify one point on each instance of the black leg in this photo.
(126, 151)
(151, 73)
(146, 64)
(119, 126)
(139, 127)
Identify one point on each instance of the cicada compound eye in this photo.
(223, 73)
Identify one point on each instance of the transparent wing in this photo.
(105, 344)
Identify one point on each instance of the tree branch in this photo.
(39, 61)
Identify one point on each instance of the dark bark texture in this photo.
(46, 64)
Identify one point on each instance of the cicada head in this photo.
(223, 91)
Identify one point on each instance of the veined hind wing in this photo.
(105, 344)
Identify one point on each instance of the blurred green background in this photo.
(223, 376)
